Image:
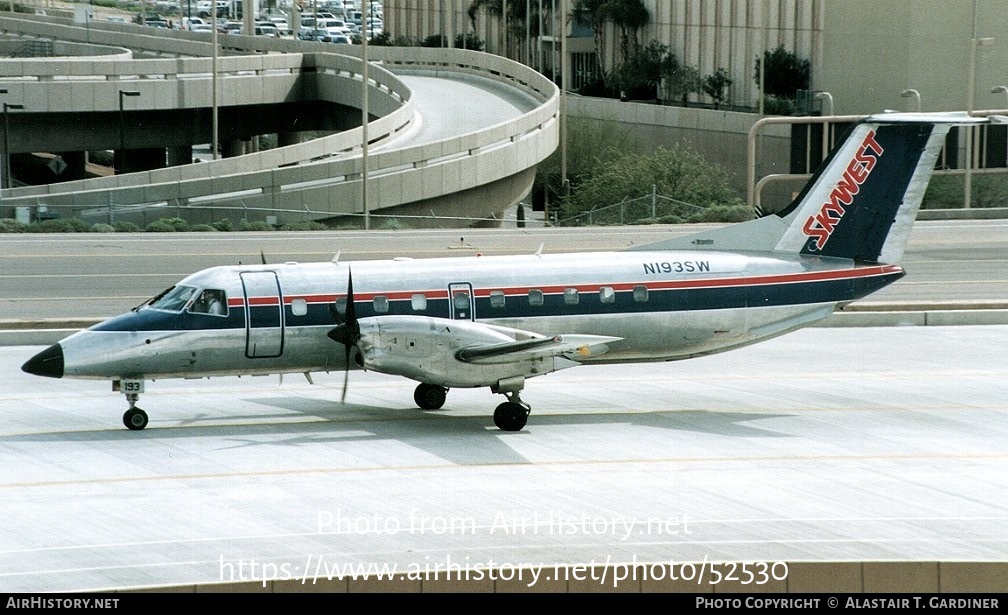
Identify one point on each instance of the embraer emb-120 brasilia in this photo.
(495, 321)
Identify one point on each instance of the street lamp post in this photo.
(975, 43)
(3, 168)
(6, 142)
(826, 96)
(827, 111)
(1003, 89)
(122, 130)
(914, 94)
(365, 15)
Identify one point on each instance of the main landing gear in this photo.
(509, 416)
(512, 414)
(134, 418)
(430, 396)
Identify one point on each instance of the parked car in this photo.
(283, 29)
(266, 29)
(314, 34)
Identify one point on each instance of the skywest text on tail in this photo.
(495, 321)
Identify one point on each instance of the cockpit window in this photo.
(211, 301)
(174, 300)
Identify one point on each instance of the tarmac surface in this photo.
(828, 444)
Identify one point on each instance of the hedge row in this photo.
(164, 225)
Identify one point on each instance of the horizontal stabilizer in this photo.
(570, 346)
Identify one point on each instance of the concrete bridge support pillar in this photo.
(180, 154)
(233, 148)
(74, 166)
(288, 138)
(135, 160)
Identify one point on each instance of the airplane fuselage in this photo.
(661, 306)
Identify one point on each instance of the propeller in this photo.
(348, 331)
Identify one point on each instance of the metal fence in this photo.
(641, 210)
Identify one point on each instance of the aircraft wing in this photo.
(454, 353)
(572, 347)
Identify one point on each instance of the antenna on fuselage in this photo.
(335, 259)
(538, 252)
(262, 255)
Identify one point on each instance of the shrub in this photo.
(223, 225)
(10, 225)
(775, 105)
(60, 225)
(125, 226)
(159, 226)
(732, 212)
(305, 225)
(393, 224)
(203, 228)
(177, 223)
(256, 225)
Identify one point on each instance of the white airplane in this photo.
(495, 321)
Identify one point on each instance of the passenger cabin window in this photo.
(299, 307)
(497, 298)
(381, 304)
(418, 302)
(461, 301)
(211, 301)
(340, 305)
(535, 297)
(640, 294)
(571, 296)
(607, 294)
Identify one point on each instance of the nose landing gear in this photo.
(134, 418)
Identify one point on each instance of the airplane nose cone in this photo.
(47, 363)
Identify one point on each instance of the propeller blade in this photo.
(346, 375)
(347, 332)
(351, 311)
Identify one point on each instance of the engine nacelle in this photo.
(427, 350)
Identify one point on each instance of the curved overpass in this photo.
(454, 132)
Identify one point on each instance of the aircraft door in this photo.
(263, 314)
(460, 296)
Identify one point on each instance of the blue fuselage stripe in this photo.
(694, 298)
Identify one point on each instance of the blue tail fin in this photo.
(862, 202)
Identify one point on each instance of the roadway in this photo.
(953, 263)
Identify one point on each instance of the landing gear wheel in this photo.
(511, 416)
(135, 419)
(429, 396)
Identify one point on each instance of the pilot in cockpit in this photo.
(210, 301)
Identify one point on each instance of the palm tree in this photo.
(629, 16)
(516, 17)
(596, 12)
